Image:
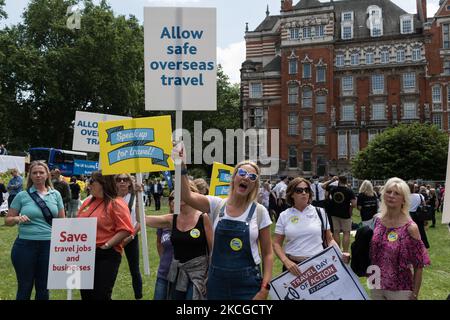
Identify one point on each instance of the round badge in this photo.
(294, 219)
(195, 233)
(392, 236)
(86, 209)
(236, 244)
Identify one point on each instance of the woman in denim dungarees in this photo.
(234, 272)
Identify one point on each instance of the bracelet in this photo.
(265, 286)
(184, 171)
(106, 245)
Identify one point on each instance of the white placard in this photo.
(72, 254)
(446, 208)
(12, 162)
(180, 58)
(323, 277)
(85, 134)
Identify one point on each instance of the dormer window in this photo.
(347, 25)
(375, 21)
(406, 24)
(347, 16)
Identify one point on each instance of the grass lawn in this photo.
(435, 285)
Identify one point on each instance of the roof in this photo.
(268, 23)
(274, 65)
(306, 4)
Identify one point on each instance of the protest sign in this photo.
(72, 254)
(220, 180)
(323, 277)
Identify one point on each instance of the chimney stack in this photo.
(286, 5)
(422, 10)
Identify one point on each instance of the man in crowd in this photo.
(15, 185)
(62, 186)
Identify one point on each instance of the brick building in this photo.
(332, 75)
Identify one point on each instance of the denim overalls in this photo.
(233, 274)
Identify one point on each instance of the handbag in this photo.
(424, 212)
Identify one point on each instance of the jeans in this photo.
(132, 254)
(161, 289)
(30, 259)
(180, 295)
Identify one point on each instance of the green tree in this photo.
(2, 12)
(408, 151)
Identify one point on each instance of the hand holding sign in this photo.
(178, 153)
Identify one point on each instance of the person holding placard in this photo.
(240, 225)
(191, 238)
(125, 189)
(113, 226)
(33, 210)
(305, 227)
(396, 247)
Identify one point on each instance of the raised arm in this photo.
(163, 222)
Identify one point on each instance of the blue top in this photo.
(37, 228)
(166, 257)
(15, 185)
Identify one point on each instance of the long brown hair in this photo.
(48, 181)
(109, 186)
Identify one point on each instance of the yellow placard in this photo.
(136, 145)
(220, 180)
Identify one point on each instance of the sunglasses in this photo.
(301, 190)
(92, 180)
(244, 173)
(119, 179)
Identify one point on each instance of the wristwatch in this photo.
(106, 245)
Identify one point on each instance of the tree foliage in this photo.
(408, 151)
(2, 12)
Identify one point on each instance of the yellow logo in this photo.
(236, 244)
(294, 219)
(195, 233)
(392, 236)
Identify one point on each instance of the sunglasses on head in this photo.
(301, 190)
(121, 179)
(244, 173)
(91, 180)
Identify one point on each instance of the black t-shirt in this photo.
(2, 191)
(340, 200)
(189, 244)
(369, 206)
(75, 190)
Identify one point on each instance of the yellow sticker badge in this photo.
(294, 219)
(392, 236)
(195, 233)
(236, 244)
(136, 145)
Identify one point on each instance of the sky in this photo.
(232, 15)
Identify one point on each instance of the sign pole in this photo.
(69, 294)
(178, 137)
(143, 226)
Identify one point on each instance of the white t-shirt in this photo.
(254, 228)
(280, 190)
(302, 231)
(320, 189)
(416, 200)
(133, 209)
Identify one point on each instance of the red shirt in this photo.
(111, 219)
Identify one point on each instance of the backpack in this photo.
(360, 251)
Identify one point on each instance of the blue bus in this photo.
(57, 158)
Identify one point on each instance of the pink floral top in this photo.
(395, 252)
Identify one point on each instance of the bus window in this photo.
(39, 154)
(59, 157)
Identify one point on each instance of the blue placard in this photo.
(84, 167)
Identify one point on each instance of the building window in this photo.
(354, 59)
(436, 94)
(321, 167)
(293, 95)
(307, 161)
(339, 60)
(307, 97)
(321, 103)
(378, 112)
(437, 120)
(293, 163)
(406, 24)
(256, 118)
(400, 55)
(446, 36)
(342, 145)
(347, 16)
(375, 21)
(369, 57)
(307, 33)
(321, 74)
(447, 68)
(416, 54)
(448, 99)
(321, 135)
(377, 83)
(348, 113)
(293, 66)
(354, 143)
(409, 110)
(256, 90)
(306, 70)
(294, 33)
(373, 133)
(347, 84)
(307, 129)
(384, 56)
(347, 32)
(409, 81)
(319, 30)
(293, 124)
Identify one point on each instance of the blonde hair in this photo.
(366, 188)
(401, 187)
(254, 194)
(202, 186)
(48, 181)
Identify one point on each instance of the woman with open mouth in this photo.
(241, 226)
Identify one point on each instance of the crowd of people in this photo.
(221, 249)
